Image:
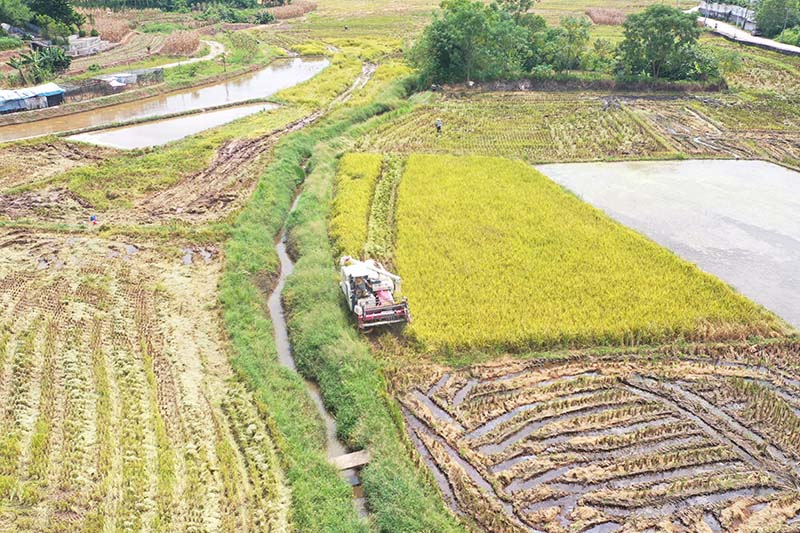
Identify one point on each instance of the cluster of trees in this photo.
(40, 66)
(470, 40)
(779, 18)
(57, 19)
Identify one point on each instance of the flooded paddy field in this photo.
(162, 132)
(279, 75)
(612, 444)
(738, 220)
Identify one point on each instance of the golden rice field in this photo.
(537, 127)
(495, 255)
(355, 181)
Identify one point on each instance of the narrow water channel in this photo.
(280, 74)
(334, 446)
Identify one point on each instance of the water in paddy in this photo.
(161, 132)
(335, 447)
(738, 220)
(280, 74)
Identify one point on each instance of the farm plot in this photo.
(137, 46)
(495, 255)
(613, 444)
(533, 126)
(726, 128)
(117, 402)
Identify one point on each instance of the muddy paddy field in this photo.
(615, 444)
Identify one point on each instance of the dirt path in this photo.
(217, 49)
(223, 185)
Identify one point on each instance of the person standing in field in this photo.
(439, 125)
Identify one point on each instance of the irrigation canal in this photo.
(335, 447)
(280, 74)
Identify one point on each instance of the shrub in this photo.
(9, 43)
(263, 17)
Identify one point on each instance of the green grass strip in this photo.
(400, 494)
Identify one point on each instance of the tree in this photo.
(14, 12)
(517, 8)
(58, 10)
(470, 40)
(659, 42)
(576, 33)
(774, 16)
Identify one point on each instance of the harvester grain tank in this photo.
(370, 292)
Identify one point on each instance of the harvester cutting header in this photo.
(370, 292)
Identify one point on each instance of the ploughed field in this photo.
(630, 444)
(117, 402)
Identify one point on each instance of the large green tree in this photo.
(14, 12)
(660, 42)
(59, 10)
(773, 16)
(470, 40)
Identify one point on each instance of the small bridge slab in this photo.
(351, 460)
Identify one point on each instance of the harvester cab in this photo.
(370, 292)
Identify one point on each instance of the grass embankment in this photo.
(400, 495)
(496, 256)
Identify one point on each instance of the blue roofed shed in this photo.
(38, 97)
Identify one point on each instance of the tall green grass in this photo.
(400, 495)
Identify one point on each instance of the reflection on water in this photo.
(163, 131)
(279, 75)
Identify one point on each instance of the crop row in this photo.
(111, 380)
(574, 463)
(560, 130)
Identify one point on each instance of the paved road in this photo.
(739, 220)
(731, 31)
(217, 49)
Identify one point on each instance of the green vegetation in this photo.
(161, 27)
(661, 42)
(41, 65)
(9, 43)
(470, 40)
(495, 255)
(774, 16)
(328, 350)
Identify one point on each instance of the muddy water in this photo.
(164, 131)
(335, 447)
(738, 220)
(279, 75)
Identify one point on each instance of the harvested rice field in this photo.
(116, 399)
(533, 126)
(666, 443)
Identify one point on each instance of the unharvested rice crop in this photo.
(493, 254)
(118, 406)
(613, 444)
(181, 43)
(606, 16)
(355, 182)
(531, 126)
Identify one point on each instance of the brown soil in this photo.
(613, 444)
(28, 163)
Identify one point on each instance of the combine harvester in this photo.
(369, 289)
